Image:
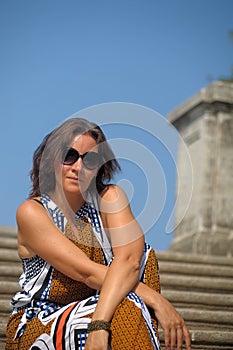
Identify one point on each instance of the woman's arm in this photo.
(127, 243)
(38, 235)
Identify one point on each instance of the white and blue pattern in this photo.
(31, 267)
(54, 211)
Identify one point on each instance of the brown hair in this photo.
(43, 172)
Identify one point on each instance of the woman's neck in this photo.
(67, 202)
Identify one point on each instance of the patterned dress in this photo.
(52, 311)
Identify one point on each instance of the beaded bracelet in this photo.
(98, 325)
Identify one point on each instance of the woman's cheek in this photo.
(87, 178)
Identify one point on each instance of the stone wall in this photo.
(205, 122)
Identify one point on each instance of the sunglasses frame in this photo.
(77, 155)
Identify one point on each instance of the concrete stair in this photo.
(10, 269)
(200, 287)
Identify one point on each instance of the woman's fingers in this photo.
(175, 336)
(187, 337)
(174, 327)
(173, 339)
(166, 332)
(175, 333)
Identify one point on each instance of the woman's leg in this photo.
(129, 329)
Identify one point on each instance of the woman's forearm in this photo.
(150, 297)
(96, 277)
(120, 279)
(96, 280)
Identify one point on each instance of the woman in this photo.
(88, 275)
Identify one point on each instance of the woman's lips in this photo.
(75, 179)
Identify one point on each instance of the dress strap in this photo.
(99, 229)
(38, 201)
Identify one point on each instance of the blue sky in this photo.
(60, 57)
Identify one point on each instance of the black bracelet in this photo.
(98, 325)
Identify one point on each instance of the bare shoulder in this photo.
(118, 218)
(112, 193)
(28, 210)
(27, 216)
(28, 205)
(113, 199)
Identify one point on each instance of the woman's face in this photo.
(76, 177)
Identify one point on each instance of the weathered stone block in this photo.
(205, 123)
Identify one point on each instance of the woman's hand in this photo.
(97, 340)
(174, 327)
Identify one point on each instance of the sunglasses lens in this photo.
(70, 156)
(91, 160)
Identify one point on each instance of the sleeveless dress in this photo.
(52, 311)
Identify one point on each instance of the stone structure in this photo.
(205, 123)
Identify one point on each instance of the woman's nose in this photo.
(78, 164)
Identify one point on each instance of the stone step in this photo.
(194, 269)
(207, 339)
(3, 323)
(7, 254)
(212, 339)
(212, 318)
(5, 306)
(197, 283)
(2, 344)
(8, 232)
(194, 259)
(8, 287)
(10, 243)
(198, 300)
(10, 270)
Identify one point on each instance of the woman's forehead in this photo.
(84, 141)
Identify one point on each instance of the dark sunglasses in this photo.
(91, 160)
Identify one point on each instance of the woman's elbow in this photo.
(136, 266)
(133, 264)
(95, 276)
(74, 274)
(87, 279)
